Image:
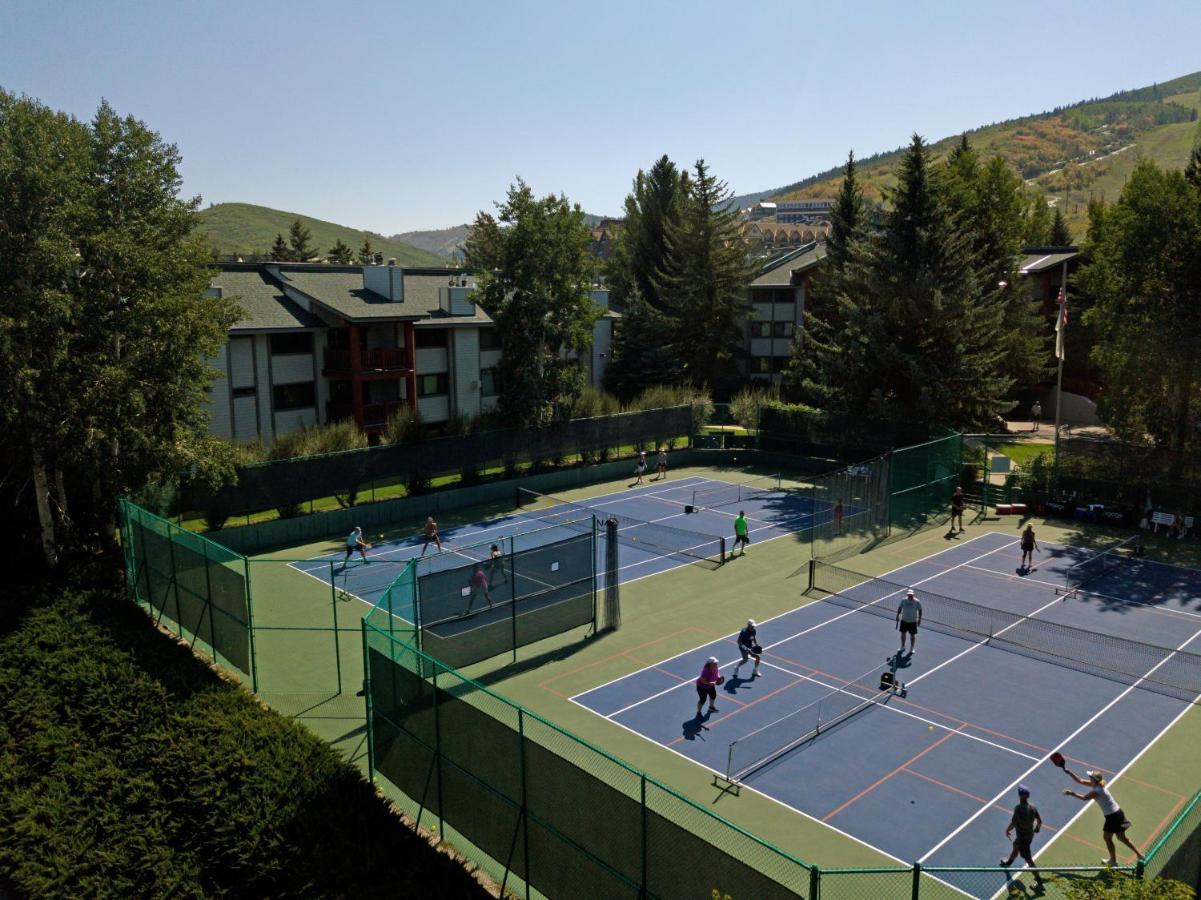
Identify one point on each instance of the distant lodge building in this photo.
(325, 343)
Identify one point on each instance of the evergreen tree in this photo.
(703, 284)
(1192, 171)
(340, 253)
(1038, 220)
(1060, 235)
(918, 321)
(280, 251)
(535, 277)
(1143, 273)
(846, 217)
(640, 250)
(300, 242)
(366, 255)
(640, 355)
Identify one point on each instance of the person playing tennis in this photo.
(661, 465)
(354, 541)
(838, 516)
(639, 467)
(1116, 822)
(1029, 545)
(909, 617)
(479, 588)
(1023, 826)
(748, 646)
(706, 685)
(496, 566)
(958, 504)
(430, 533)
(742, 534)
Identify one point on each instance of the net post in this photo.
(812, 575)
(595, 620)
(722, 539)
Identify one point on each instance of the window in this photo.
(489, 339)
(760, 329)
(295, 396)
(782, 329)
(488, 383)
(432, 385)
(761, 365)
(783, 295)
(430, 337)
(292, 343)
(779, 364)
(244, 391)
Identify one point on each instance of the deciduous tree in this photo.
(535, 276)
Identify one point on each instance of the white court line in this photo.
(809, 605)
(1024, 775)
(823, 624)
(901, 712)
(1151, 607)
(777, 801)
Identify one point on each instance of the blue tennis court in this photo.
(656, 533)
(930, 775)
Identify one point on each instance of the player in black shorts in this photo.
(748, 646)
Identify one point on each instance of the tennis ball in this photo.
(929, 727)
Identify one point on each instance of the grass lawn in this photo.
(1023, 454)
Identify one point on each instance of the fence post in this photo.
(368, 705)
(254, 662)
(525, 807)
(208, 592)
(815, 880)
(437, 745)
(333, 595)
(643, 890)
(917, 881)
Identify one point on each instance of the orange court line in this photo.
(620, 653)
(867, 790)
(745, 706)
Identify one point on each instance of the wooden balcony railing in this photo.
(378, 359)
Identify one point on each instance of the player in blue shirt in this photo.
(748, 646)
(354, 541)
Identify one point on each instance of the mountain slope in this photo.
(245, 229)
(1072, 153)
(448, 242)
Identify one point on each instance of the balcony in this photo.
(379, 359)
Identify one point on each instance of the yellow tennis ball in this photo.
(929, 727)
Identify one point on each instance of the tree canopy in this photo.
(535, 278)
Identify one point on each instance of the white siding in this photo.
(291, 369)
(434, 409)
(763, 312)
(246, 426)
(465, 380)
(294, 419)
(387, 281)
(763, 346)
(431, 360)
(217, 402)
(263, 381)
(241, 362)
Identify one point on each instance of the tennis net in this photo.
(653, 537)
(751, 752)
(1097, 565)
(723, 495)
(1174, 673)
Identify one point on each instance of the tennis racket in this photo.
(721, 679)
(756, 649)
(1057, 759)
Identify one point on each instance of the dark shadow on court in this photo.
(693, 727)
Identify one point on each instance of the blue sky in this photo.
(397, 116)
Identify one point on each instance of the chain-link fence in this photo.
(850, 508)
(923, 477)
(1138, 476)
(1177, 853)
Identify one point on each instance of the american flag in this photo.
(1061, 323)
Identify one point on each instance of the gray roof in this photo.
(265, 307)
(779, 272)
(1039, 259)
(342, 293)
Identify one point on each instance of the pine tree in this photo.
(640, 249)
(300, 242)
(1192, 171)
(340, 253)
(917, 345)
(1037, 232)
(703, 284)
(366, 256)
(641, 358)
(846, 217)
(1060, 235)
(280, 251)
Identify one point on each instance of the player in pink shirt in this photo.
(706, 685)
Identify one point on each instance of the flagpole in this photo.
(1061, 344)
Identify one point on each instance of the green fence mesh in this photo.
(200, 588)
(1177, 853)
(923, 477)
(850, 507)
(544, 808)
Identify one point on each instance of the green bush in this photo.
(745, 405)
(403, 427)
(664, 395)
(344, 435)
(1120, 886)
(132, 770)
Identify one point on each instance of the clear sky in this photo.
(398, 116)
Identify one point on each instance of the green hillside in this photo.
(245, 229)
(1073, 153)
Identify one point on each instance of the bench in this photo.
(1167, 519)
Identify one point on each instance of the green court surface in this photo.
(301, 659)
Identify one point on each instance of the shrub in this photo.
(403, 427)
(745, 405)
(418, 483)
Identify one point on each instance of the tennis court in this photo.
(1093, 656)
(655, 531)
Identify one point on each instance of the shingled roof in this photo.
(265, 306)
